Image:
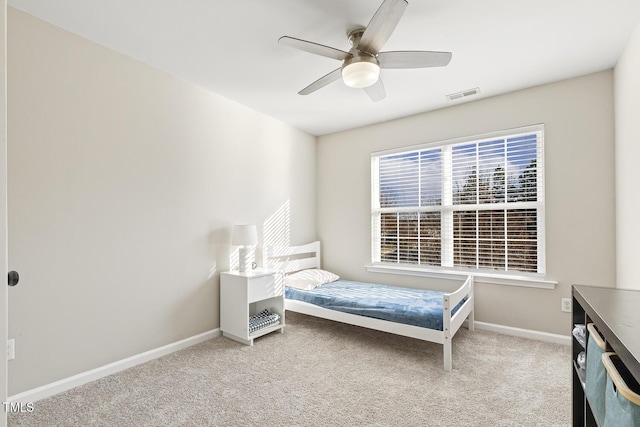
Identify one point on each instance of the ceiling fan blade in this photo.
(413, 59)
(315, 48)
(376, 91)
(322, 82)
(382, 25)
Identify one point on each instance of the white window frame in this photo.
(446, 268)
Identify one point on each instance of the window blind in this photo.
(472, 203)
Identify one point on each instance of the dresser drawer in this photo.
(263, 287)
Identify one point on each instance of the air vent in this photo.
(463, 94)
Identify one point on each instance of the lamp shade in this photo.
(244, 235)
(360, 74)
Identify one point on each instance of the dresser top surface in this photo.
(256, 272)
(618, 310)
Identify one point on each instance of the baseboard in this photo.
(524, 333)
(94, 374)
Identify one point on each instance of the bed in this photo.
(427, 315)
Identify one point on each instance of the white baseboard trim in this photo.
(49, 390)
(524, 333)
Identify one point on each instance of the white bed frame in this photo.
(293, 258)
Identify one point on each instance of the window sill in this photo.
(478, 277)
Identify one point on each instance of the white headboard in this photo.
(292, 258)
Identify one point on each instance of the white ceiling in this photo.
(230, 48)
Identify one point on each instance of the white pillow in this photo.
(308, 279)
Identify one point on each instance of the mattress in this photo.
(415, 307)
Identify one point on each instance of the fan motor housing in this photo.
(356, 54)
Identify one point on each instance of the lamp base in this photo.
(245, 258)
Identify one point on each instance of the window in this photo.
(473, 203)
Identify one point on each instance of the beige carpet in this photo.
(323, 373)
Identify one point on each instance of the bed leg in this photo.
(447, 354)
(471, 321)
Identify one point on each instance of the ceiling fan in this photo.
(362, 63)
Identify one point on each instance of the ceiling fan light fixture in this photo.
(360, 72)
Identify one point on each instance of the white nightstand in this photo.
(246, 294)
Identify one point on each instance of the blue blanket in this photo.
(396, 304)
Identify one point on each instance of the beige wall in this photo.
(578, 119)
(627, 158)
(124, 183)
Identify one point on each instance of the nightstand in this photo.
(246, 294)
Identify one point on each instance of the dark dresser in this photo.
(615, 313)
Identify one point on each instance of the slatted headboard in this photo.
(292, 258)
